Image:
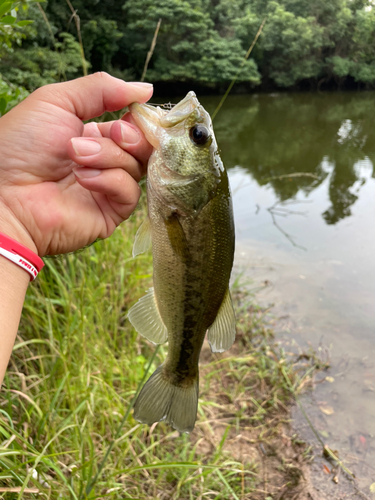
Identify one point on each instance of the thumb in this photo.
(90, 96)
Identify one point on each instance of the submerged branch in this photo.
(283, 212)
(285, 176)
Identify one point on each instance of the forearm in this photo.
(13, 286)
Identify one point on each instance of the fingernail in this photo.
(129, 134)
(85, 147)
(141, 84)
(86, 173)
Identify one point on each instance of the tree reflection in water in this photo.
(277, 134)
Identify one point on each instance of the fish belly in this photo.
(189, 290)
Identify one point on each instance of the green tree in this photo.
(188, 47)
(43, 55)
(10, 35)
(33, 67)
(102, 25)
(200, 41)
(100, 40)
(291, 45)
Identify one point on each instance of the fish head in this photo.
(184, 140)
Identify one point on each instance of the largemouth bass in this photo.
(190, 226)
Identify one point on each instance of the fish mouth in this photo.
(149, 118)
(185, 108)
(148, 111)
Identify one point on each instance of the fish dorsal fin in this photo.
(142, 240)
(177, 238)
(222, 332)
(146, 319)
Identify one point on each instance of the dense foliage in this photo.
(10, 35)
(304, 42)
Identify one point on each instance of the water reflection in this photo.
(320, 134)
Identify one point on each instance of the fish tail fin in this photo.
(159, 400)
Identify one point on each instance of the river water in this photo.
(307, 243)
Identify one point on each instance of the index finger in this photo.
(141, 149)
(90, 96)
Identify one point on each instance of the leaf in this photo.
(24, 23)
(3, 106)
(326, 469)
(324, 434)
(327, 410)
(7, 20)
(372, 488)
(5, 7)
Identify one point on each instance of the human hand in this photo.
(55, 196)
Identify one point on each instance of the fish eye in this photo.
(199, 134)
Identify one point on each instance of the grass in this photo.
(75, 369)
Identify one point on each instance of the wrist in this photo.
(14, 279)
(18, 248)
(13, 286)
(14, 229)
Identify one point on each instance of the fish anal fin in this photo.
(222, 332)
(159, 400)
(142, 240)
(146, 319)
(177, 237)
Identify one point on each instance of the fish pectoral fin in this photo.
(146, 319)
(222, 332)
(142, 240)
(177, 238)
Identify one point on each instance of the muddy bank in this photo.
(254, 418)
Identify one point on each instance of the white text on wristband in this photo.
(20, 261)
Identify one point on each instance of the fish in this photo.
(191, 230)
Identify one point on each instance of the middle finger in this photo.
(103, 153)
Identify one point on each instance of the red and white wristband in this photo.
(21, 255)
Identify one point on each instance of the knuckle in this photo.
(119, 178)
(119, 156)
(132, 200)
(101, 74)
(43, 91)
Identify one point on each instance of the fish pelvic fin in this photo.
(146, 319)
(222, 332)
(159, 400)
